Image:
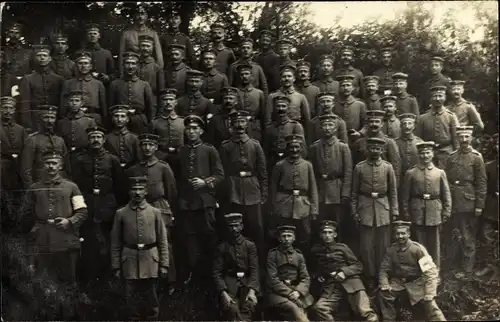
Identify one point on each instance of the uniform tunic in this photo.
(385, 81)
(434, 80)
(175, 77)
(310, 91)
(258, 78)
(19, 60)
(466, 113)
(316, 133)
(357, 82)
(407, 146)
(224, 59)
(194, 103)
(73, 130)
(94, 99)
(7, 82)
(352, 111)
(392, 127)
(102, 60)
(373, 103)
(213, 82)
(298, 110)
(151, 72)
(274, 139)
(406, 103)
(129, 41)
(170, 129)
(254, 101)
(63, 66)
(328, 85)
(268, 61)
(219, 128)
(178, 38)
(125, 145)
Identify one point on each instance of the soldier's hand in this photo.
(428, 298)
(385, 287)
(251, 297)
(198, 183)
(321, 279)
(163, 272)
(103, 78)
(354, 134)
(445, 219)
(357, 218)
(340, 276)
(117, 274)
(62, 223)
(478, 212)
(227, 301)
(294, 296)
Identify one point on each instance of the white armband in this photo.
(14, 91)
(426, 263)
(78, 202)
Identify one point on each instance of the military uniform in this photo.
(170, 129)
(94, 99)
(315, 129)
(194, 104)
(466, 113)
(391, 127)
(274, 139)
(224, 59)
(310, 91)
(490, 215)
(407, 146)
(63, 66)
(129, 41)
(406, 103)
(352, 111)
(372, 103)
(268, 60)
(298, 110)
(8, 81)
(358, 79)
(254, 102)
(384, 75)
(180, 38)
(434, 80)
(213, 82)
(259, 79)
(151, 72)
(125, 145)
(219, 128)
(102, 59)
(19, 59)
(175, 77)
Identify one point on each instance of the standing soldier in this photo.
(332, 164)
(32, 166)
(336, 267)
(327, 82)
(392, 124)
(134, 92)
(236, 272)
(174, 36)
(405, 103)
(284, 49)
(253, 101)
(440, 126)
(61, 64)
(299, 108)
(139, 251)
(436, 78)
(176, 70)
(219, 128)
(407, 143)
(372, 100)
(467, 177)
(246, 178)
(426, 200)
(385, 72)
(268, 59)
(293, 191)
(192, 102)
(374, 204)
(258, 78)
(94, 93)
(326, 103)
(41, 87)
(12, 138)
(9, 84)
(149, 70)
(346, 59)
(408, 272)
(100, 178)
(464, 110)
(200, 174)
(213, 80)
(103, 64)
(19, 59)
(304, 86)
(287, 278)
(225, 56)
(348, 108)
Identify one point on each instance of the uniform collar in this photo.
(465, 150)
(405, 247)
(293, 161)
(289, 90)
(458, 102)
(240, 138)
(195, 144)
(133, 78)
(430, 166)
(171, 116)
(237, 241)
(328, 79)
(247, 88)
(212, 72)
(392, 118)
(244, 61)
(376, 163)
(219, 48)
(349, 68)
(86, 78)
(43, 70)
(348, 100)
(374, 97)
(141, 28)
(8, 123)
(269, 52)
(92, 46)
(403, 95)
(304, 84)
(147, 60)
(410, 137)
(61, 57)
(121, 131)
(438, 112)
(329, 141)
(284, 120)
(140, 206)
(150, 163)
(56, 180)
(286, 250)
(97, 153)
(196, 94)
(178, 67)
(15, 46)
(77, 115)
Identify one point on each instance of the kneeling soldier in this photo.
(236, 272)
(337, 269)
(408, 268)
(139, 251)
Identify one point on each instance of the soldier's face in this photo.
(93, 36)
(386, 58)
(168, 103)
(375, 124)
(208, 61)
(141, 17)
(437, 99)
(52, 166)
(146, 48)
(287, 78)
(174, 22)
(326, 67)
(390, 108)
(130, 67)
(303, 74)
(246, 50)
(346, 57)
(8, 111)
(176, 56)
(217, 34)
(326, 103)
(371, 88)
(284, 50)
(329, 128)
(48, 120)
(375, 151)
(402, 234)
(194, 83)
(287, 238)
(281, 107)
(235, 229)
(435, 66)
(60, 46)
(265, 42)
(84, 66)
(240, 125)
(293, 149)
(426, 156)
(14, 34)
(229, 100)
(400, 86)
(148, 148)
(407, 126)
(96, 140)
(246, 76)
(328, 235)
(193, 132)
(137, 193)
(75, 103)
(464, 139)
(457, 91)
(120, 119)
(43, 58)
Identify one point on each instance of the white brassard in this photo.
(426, 263)
(78, 202)
(14, 91)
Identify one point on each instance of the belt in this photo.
(426, 196)
(442, 146)
(332, 176)
(12, 156)
(462, 183)
(74, 149)
(408, 279)
(172, 149)
(294, 192)
(280, 154)
(140, 246)
(290, 282)
(374, 195)
(239, 274)
(243, 174)
(135, 111)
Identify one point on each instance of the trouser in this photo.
(253, 226)
(58, 266)
(374, 242)
(429, 236)
(141, 298)
(11, 203)
(290, 311)
(465, 225)
(240, 310)
(95, 261)
(328, 303)
(338, 213)
(427, 310)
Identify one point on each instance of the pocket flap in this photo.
(469, 196)
(123, 259)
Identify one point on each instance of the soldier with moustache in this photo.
(346, 68)
(392, 125)
(175, 36)
(303, 85)
(407, 143)
(436, 78)
(192, 102)
(326, 103)
(405, 103)
(385, 72)
(372, 100)
(465, 111)
(327, 82)
(225, 56)
(103, 63)
(176, 70)
(268, 59)
(213, 80)
(61, 64)
(148, 69)
(219, 128)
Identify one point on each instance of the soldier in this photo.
(407, 143)
(426, 200)
(61, 64)
(258, 78)
(149, 70)
(100, 179)
(436, 78)
(351, 110)
(284, 49)
(32, 166)
(213, 80)
(464, 110)
(268, 59)
(287, 278)
(392, 124)
(161, 189)
(236, 272)
(219, 129)
(390, 153)
(327, 82)
(19, 59)
(326, 103)
(332, 164)
(120, 141)
(293, 191)
(12, 138)
(304, 86)
(253, 101)
(134, 92)
(372, 100)
(246, 178)
(337, 269)
(200, 174)
(274, 138)
(139, 251)
(174, 36)
(374, 204)
(405, 103)
(440, 126)
(176, 70)
(193, 102)
(385, 72)
(170, 128)
(129, 40)
(346, 59)
(9, 84)
(41, 87)
(225, 56)
(94, 93)
(467, 176)
(407, 271)
(299, 108)
(103, 63)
